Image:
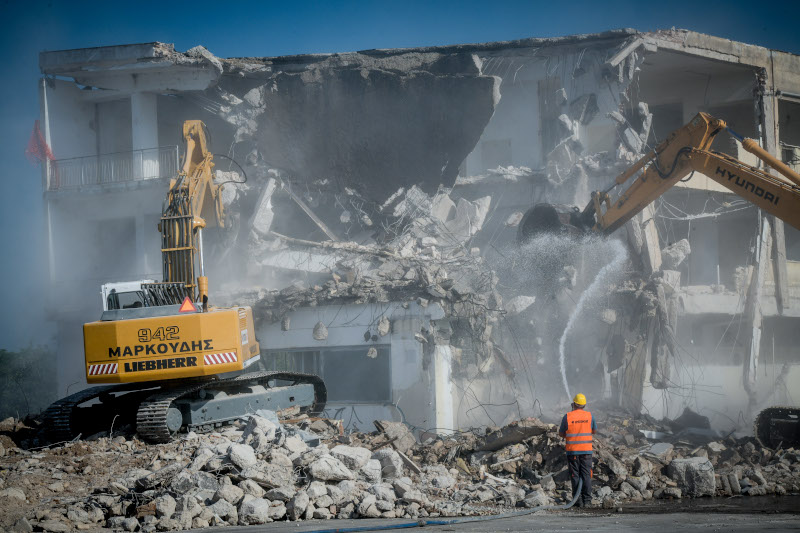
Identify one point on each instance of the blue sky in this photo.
(264, 28)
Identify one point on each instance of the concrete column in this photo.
(752, 314)
(44, 125)
(767, 111)
(144, 135)
(144, 249)
(443, 390)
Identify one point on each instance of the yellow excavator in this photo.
(686, 150)
(164, 348)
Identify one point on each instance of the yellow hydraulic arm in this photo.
(686, 150)
(192, 204)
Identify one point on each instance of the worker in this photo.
(577, 427)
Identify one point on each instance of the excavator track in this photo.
(765, 431)
(62, 421)
(152, 416)
(57, 420)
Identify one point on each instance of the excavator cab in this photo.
(124, 295)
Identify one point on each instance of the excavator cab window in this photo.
(125, 300)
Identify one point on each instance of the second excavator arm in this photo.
(687, 150)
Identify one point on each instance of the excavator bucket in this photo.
(553, 219)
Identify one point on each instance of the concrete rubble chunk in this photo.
(277, 512)
(469, 217)
(225, 510)
(371, 471)
(229, 493)
(514, 219)
(667, 493)
(661, 451)
(252, 488)
(297, 506)
(615, 467)
(159, 477)
(259, 425)
(201, 458)
(12, 493)
(694, 476)
(21, 526)
(254, 512)
(294, 444)
(401, 436)
(383, 491)
(632, 139)
(442, 208)
(242, 455)
(391, 463)
(283, 494)
(165, 506)
(641, 466)
(268, 475)
(353, 457)
(536, 498)
(367, 507)
(672, 256)
(329, 468)
(320, 332)
(384, 326)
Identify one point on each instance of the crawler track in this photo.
(763, 423)
(60, 420)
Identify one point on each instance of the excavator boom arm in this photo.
(193, 203)
(688, 150)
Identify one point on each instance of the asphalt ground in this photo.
(718, 514)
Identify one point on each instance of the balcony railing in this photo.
(136, 165)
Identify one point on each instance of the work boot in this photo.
(578, 503)
(586, 502)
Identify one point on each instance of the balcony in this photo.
(119, 167)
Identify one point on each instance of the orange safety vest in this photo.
(579, 431)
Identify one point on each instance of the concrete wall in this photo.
(420, 384)
(71, 120)
(515, 129)
(114, 120)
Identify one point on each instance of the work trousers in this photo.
(580, 467)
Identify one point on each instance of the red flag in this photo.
(37, 147)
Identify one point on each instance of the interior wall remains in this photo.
(71, 120)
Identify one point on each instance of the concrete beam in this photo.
(167, 78)
(62, 62)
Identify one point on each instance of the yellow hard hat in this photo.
(579, 399)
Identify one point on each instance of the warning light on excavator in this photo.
(187, 306)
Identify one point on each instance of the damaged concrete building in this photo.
(384, 199)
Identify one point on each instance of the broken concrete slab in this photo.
(512, 433)
(261, 221)
(469, 217)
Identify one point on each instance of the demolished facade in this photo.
(384, 198)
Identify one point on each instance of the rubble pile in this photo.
(262, 470)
